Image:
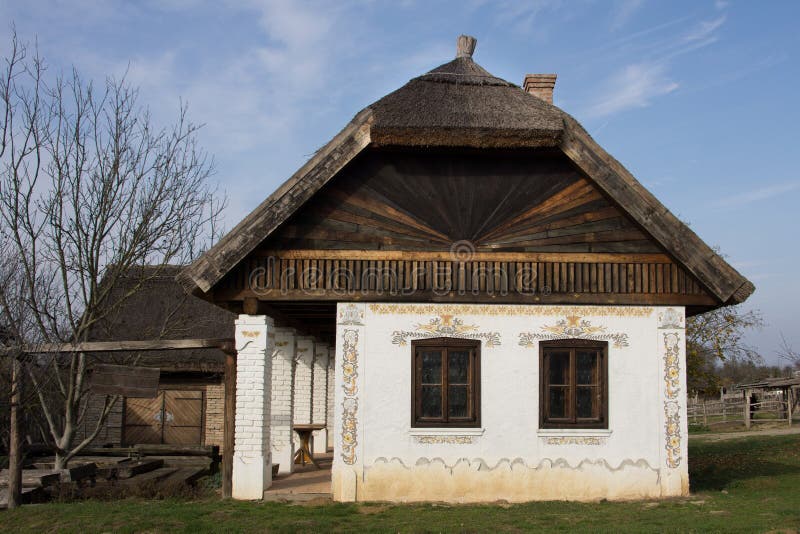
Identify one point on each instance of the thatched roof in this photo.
(461, 104)
(159, 308)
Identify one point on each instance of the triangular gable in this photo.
(681, 243)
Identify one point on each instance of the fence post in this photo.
(747, 408)
(724, 413)
(789, 405)
(705, 415)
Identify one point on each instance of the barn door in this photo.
(183, 417)
(174, 417)
(143, 420)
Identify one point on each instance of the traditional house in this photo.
(507, 303)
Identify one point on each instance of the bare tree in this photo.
(90, 191)
(787, 352)
(714, 337)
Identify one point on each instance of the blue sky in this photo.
(697, 98)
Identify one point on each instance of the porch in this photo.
(305, 483)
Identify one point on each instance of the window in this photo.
(446, 383)
(574, 384)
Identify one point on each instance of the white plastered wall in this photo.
(379, 456)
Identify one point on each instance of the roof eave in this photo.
(723, 281)
(209, 268)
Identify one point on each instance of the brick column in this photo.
(331, 393)
(319, 411)
(252, 466)
(282, 399)
(302, 380)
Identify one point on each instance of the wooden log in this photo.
(137, 468)
(27, 494)
(32, 477)
(186, 475)
(154, 476)
(148, 449)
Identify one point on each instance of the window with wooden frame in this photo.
(446, 382)
(573, 384)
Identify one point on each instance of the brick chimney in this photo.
(540, 85)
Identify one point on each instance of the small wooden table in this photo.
(303, 455)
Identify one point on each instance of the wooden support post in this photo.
(705, 415)
(15, 438)
(250, 306)
(229, 427)
(789, 405)
(747, 408)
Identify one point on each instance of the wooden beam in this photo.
(229, 425)
(640, 299)
(129, 346)
(250, 306)
(402, 255)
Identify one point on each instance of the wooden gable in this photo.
(521, 226)
(422, 201)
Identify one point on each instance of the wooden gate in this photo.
(173, 417)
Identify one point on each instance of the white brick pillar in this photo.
(282, 404)
(331, 393)
(303, 376)
(319, 402)
(252, 467)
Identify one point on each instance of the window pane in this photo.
(587, 367)
(432, 401)
(458, 367)
(559, 368)
(557, 402)
(432, 367)
(587, 403)
(457, 401)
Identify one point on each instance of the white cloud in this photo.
(756, 195)
(705, 30)
(635, 86)
(624, 11)
(519, 16)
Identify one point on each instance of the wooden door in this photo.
(183, 417)
(174, 417)
(143, 420)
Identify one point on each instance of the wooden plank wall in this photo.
(514, 202)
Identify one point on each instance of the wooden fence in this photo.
(746, 408)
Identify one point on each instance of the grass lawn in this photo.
(748, 484)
